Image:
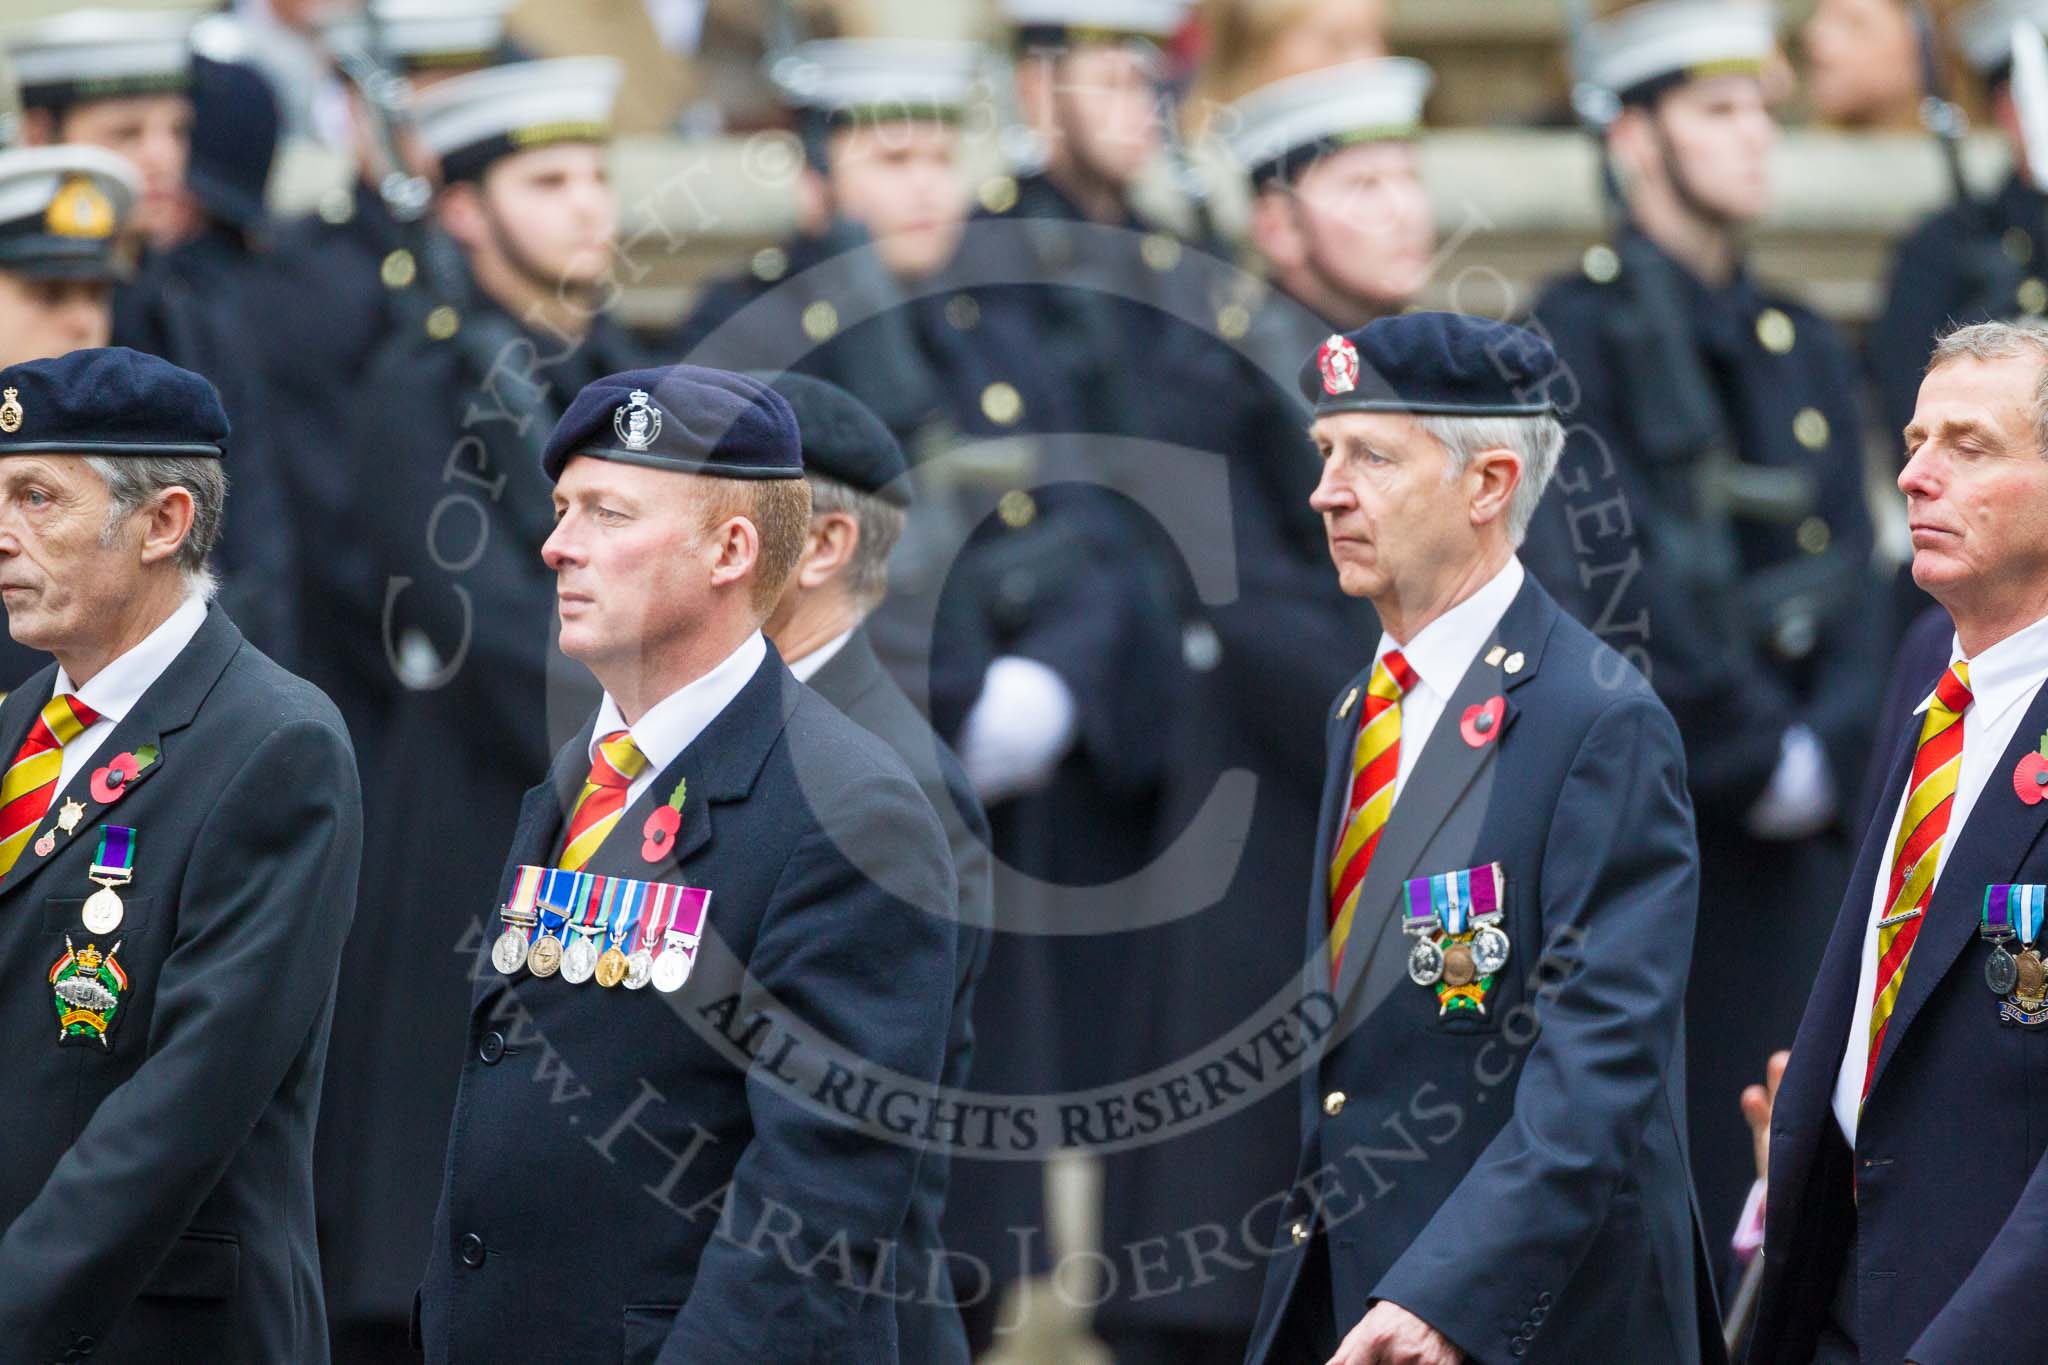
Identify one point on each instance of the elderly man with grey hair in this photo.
(1908, 1197)
(1491, 1162)
(180, 828)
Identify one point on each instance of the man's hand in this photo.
(1757, 1102)
(1391, 1335)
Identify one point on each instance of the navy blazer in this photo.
(1944, 1203)
(157, 1193)
(1517, 1180)
(718, 1176)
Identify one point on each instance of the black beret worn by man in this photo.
(179, 833)
(689, 1126)
(1491, 1165)
(860, 492)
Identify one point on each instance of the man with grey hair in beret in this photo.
(1492, 1162)
(701, 1055)
(180, 828)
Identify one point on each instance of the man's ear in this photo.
(460, 211)
(1632, 138)
(1493, 476)
(829, 547)
(739, 550)
(1276, 228)
(168, 520)
(1035, 80)
(38, 127)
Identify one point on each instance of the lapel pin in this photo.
(1345, 709)
(659, 833)
(1515, 662)
(1481, 724)
(1495, 655)
(2030, 779)
(47, 844)
(69, 815)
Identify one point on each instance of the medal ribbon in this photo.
(1451, 894)
(525, 889)
(2010, 910)
(654, 918)
(557, 901)
(115, 860)
(692, 904)
(627, 899)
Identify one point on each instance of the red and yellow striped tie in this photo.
(31, 780)
(1375, 763)
(1930, 797)
(612, 769)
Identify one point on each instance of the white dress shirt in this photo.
(114, 690)
(673, 722)
(2002, 680)
(1441, 653)
(807, 667)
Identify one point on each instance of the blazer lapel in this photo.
(166, 708)
(1441, 780)
(1991, 848)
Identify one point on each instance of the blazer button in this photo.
(1543, 1300)
(1299, 1232)
(1333, 1103)
(492, 1048)
(1518, 1347)
(472, 1250)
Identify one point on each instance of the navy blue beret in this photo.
(1444, 364)
(843, 440)
(109, 401)
(681, 417)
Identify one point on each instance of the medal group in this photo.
(86, 985)
(2020, 979)
(1459, 946)
(616, 931)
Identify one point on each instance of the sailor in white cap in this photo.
(1685, 369)
(63, 214)
(116, 79)
(1971, 261)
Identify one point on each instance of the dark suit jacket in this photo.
(1517, 1180)
(927, 1321)
(640, 1177)
(157, 1194)
(1947, 1215)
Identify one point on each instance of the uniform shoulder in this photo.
(268, 696)
(1583, 677)
(835, 755)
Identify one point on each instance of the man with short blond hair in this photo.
(724, 1172)
(1879, 1243)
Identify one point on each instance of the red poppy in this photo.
(660, 832)
(2030, 779)
(1481, 725)
(110, 784)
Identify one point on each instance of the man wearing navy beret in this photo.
(701, 1151)
(180, 828)
(1492, 1164)
(860, 491)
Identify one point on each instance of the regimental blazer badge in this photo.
(86, 988)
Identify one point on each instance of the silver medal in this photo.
(671, 970)
(639, 970)
(508, 954)
(1490, 950)
(2001, 971)
(1425, 962)
(579, 960)
(102, 914)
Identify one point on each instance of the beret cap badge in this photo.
(10, 411)
(636, 421)
(1338, 361)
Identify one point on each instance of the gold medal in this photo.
(611, 968)
(2031, 992)
(1459, 968)
(545, 957)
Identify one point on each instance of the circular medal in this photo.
(546, 957)
(1459, 968)
(671, 970)
(2001, 972)
(639, 970)
(102, 911)
(508, 954)
(579, 961)
(1490, 950)
(611, 968)
(1425, 962)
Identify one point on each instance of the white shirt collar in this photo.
(2004, 675)
(807, 667)
(1443, 650)
(672, 723)
(114, 690)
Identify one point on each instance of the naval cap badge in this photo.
(637, 421)
(1338, 360)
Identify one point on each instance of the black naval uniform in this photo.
(928, 1324)
(445, 528)
(157, 1192)
(618, 1186)
(1791, 644)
